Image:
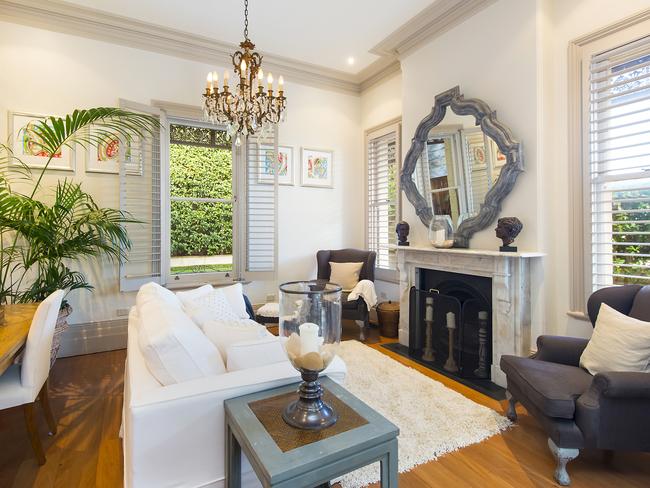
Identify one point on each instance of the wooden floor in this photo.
(86, 393)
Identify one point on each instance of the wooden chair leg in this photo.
(47, 409)
(32, 430)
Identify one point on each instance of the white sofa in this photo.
(173, 435)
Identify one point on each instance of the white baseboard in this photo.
(94, 337)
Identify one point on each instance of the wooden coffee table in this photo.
(286, 457)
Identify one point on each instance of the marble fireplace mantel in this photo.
(516, 279)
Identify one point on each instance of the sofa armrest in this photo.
(560, 349)
(619, 384)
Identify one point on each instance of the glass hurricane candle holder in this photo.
(310, 323)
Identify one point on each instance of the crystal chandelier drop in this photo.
(248, 108)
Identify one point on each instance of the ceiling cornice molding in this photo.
(76, 20)
(72, 19)
(436, 19)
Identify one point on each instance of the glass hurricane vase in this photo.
(310, 325)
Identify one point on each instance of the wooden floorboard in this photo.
(86, 394)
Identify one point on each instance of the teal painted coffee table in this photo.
(285, 457)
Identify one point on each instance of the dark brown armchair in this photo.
(577, 410)
(354, 310)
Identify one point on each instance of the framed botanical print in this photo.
(26, 144)
(104, 157)
(284, 165)
(317, 167)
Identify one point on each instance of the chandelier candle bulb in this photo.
(226, 77)
(208, 83)
(280, 83)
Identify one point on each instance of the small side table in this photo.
(285, 457)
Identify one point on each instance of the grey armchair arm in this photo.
(559, 349)
(622, 384)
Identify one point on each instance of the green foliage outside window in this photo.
(199, 228)
(633, 236)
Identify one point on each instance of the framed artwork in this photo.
(25, 144)
(105, 156)
(284, 165)
(317, 167)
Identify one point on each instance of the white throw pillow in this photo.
(186, 296)
(253, 354)
(619, 343)
(212, 305)
(346, 275)
(224, 333)
(154, 292)
(235, 296)
(173, 347)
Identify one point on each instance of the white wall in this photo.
(45, 72)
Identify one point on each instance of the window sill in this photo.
(195, 284)
(578, 315)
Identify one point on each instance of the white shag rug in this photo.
(433, 420)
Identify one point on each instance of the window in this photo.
(201, 200)
(203, 209)
(619, 165)
(383, 211)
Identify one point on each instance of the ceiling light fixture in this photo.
(245, 110)
(350, 60)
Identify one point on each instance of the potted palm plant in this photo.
(40, 243)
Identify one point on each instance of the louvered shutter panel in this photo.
(141, 197)
(383, 194)
(619, 165)
(260, 213)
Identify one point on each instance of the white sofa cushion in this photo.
(174, 348)
(206, 304)
(154, 292)
(619, 343)
(235, 296)
(188, 295)
(253, 354)
(224, 333)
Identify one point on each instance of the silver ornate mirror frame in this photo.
(487, 119)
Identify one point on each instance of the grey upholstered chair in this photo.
(607, 411)
(353, 310)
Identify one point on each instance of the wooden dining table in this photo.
(14, 330)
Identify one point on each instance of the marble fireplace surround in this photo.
(515, 286)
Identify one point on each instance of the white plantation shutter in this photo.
(141, 196)
(383, 154)
(259, 216)
(619, 165)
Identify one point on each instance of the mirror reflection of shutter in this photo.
(141, 197)
(260, 206)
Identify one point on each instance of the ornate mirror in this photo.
(461, 165)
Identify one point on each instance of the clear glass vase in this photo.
(441, 231)
(310, 324)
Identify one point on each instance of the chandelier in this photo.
(247, 109)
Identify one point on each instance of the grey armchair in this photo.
(353, 310)
(578, 410)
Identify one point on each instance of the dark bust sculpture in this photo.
(508, 228)
(402, 228)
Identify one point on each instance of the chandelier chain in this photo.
(246, 19)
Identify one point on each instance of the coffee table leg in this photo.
(389, 466)
(233, 460)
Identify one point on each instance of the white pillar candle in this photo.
(483, 315)
(309, 338)
(428, 312)
(451, 320)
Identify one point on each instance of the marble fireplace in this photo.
(513, 278)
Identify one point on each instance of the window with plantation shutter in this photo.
(259, 215)
(140, 196)
(618, 125)
(383, 212)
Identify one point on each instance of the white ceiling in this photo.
(321, 32)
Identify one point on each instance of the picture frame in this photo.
(285, 166)
(105, 156)
(24, 145)
(317, 167)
